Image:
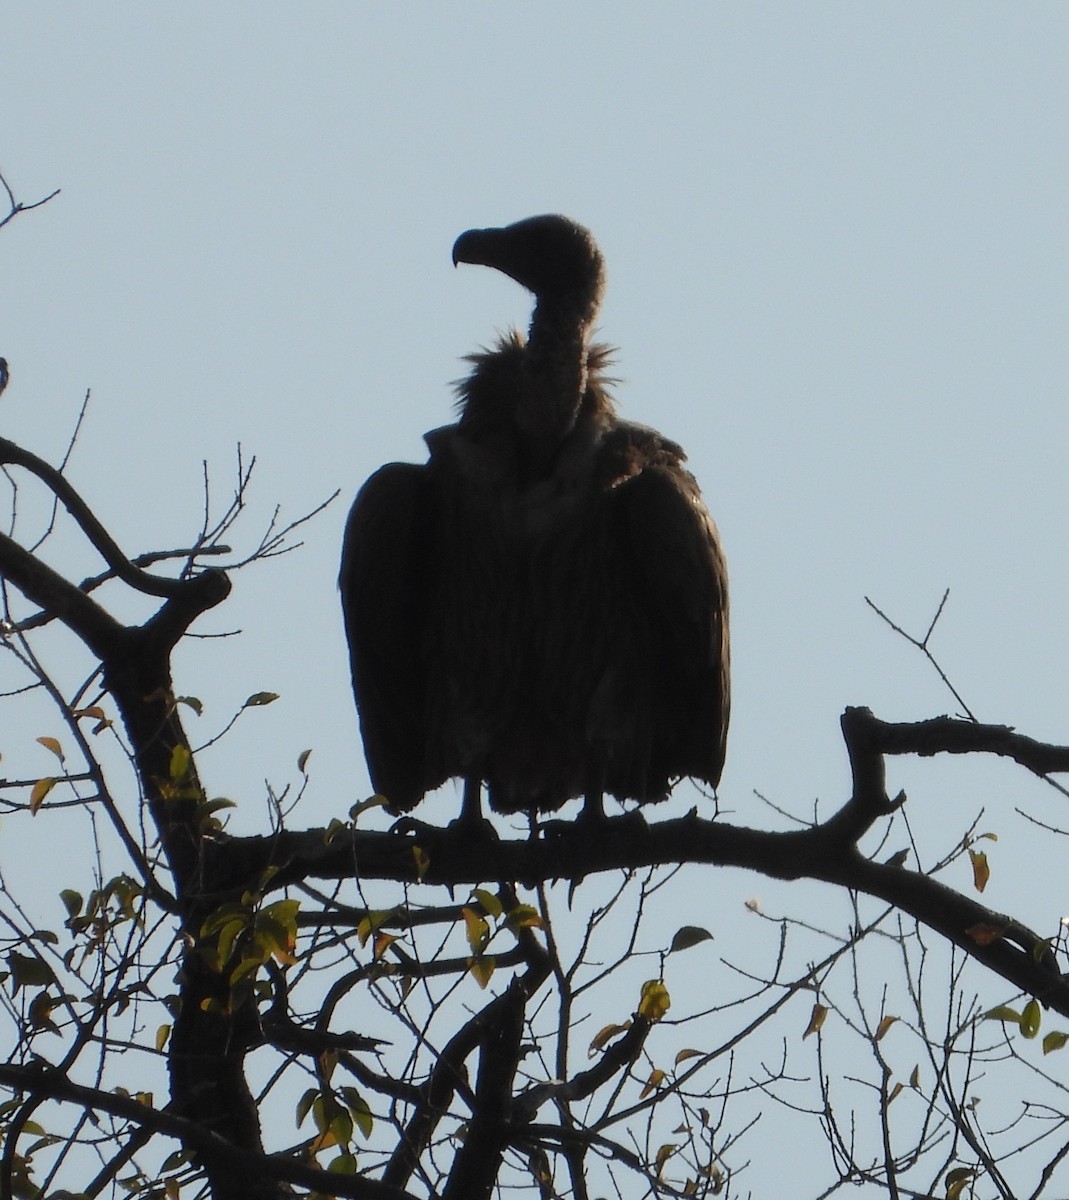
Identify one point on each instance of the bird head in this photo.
(551, 256)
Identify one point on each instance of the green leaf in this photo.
(687, 936)
(1031, 1018)
(957, 1180)
(190, 702)
(72, 901)
(29, 972)
(370, 923)
(223, 915)
(344, 1164)
(489, 901)
(304, 1105)
(257, 699)
(284, 912)
(1003, 1012)
(482, 969)
(1054, 1041)
(357, 1105)
(302, 760)
(523, 916)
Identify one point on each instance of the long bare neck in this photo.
(556, 368)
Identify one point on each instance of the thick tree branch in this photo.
(242, 1164)
(56, 482)
(826, 852)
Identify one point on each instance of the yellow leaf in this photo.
(524, 916)
(478, 932)
(1054, 1041)
(981, 872)
(40, 790)
(181, 760)
(655, 1080)
(162, 1034)
(655, 1000)
(816, 1020)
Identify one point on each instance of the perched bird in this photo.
(542, 607)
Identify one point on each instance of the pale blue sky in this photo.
(837, 251)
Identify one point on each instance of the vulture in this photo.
(541, 608)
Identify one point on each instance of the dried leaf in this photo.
(683, 1055)
(981, 872)
(51, 743)
(983, 934)
(816, 1020)
(663, 1155)
(604, 1036)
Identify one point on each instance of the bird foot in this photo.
(475, 827)
(405, 825)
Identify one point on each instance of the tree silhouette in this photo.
(434, 1016)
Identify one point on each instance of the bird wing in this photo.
(680, 579)
(383, 588)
